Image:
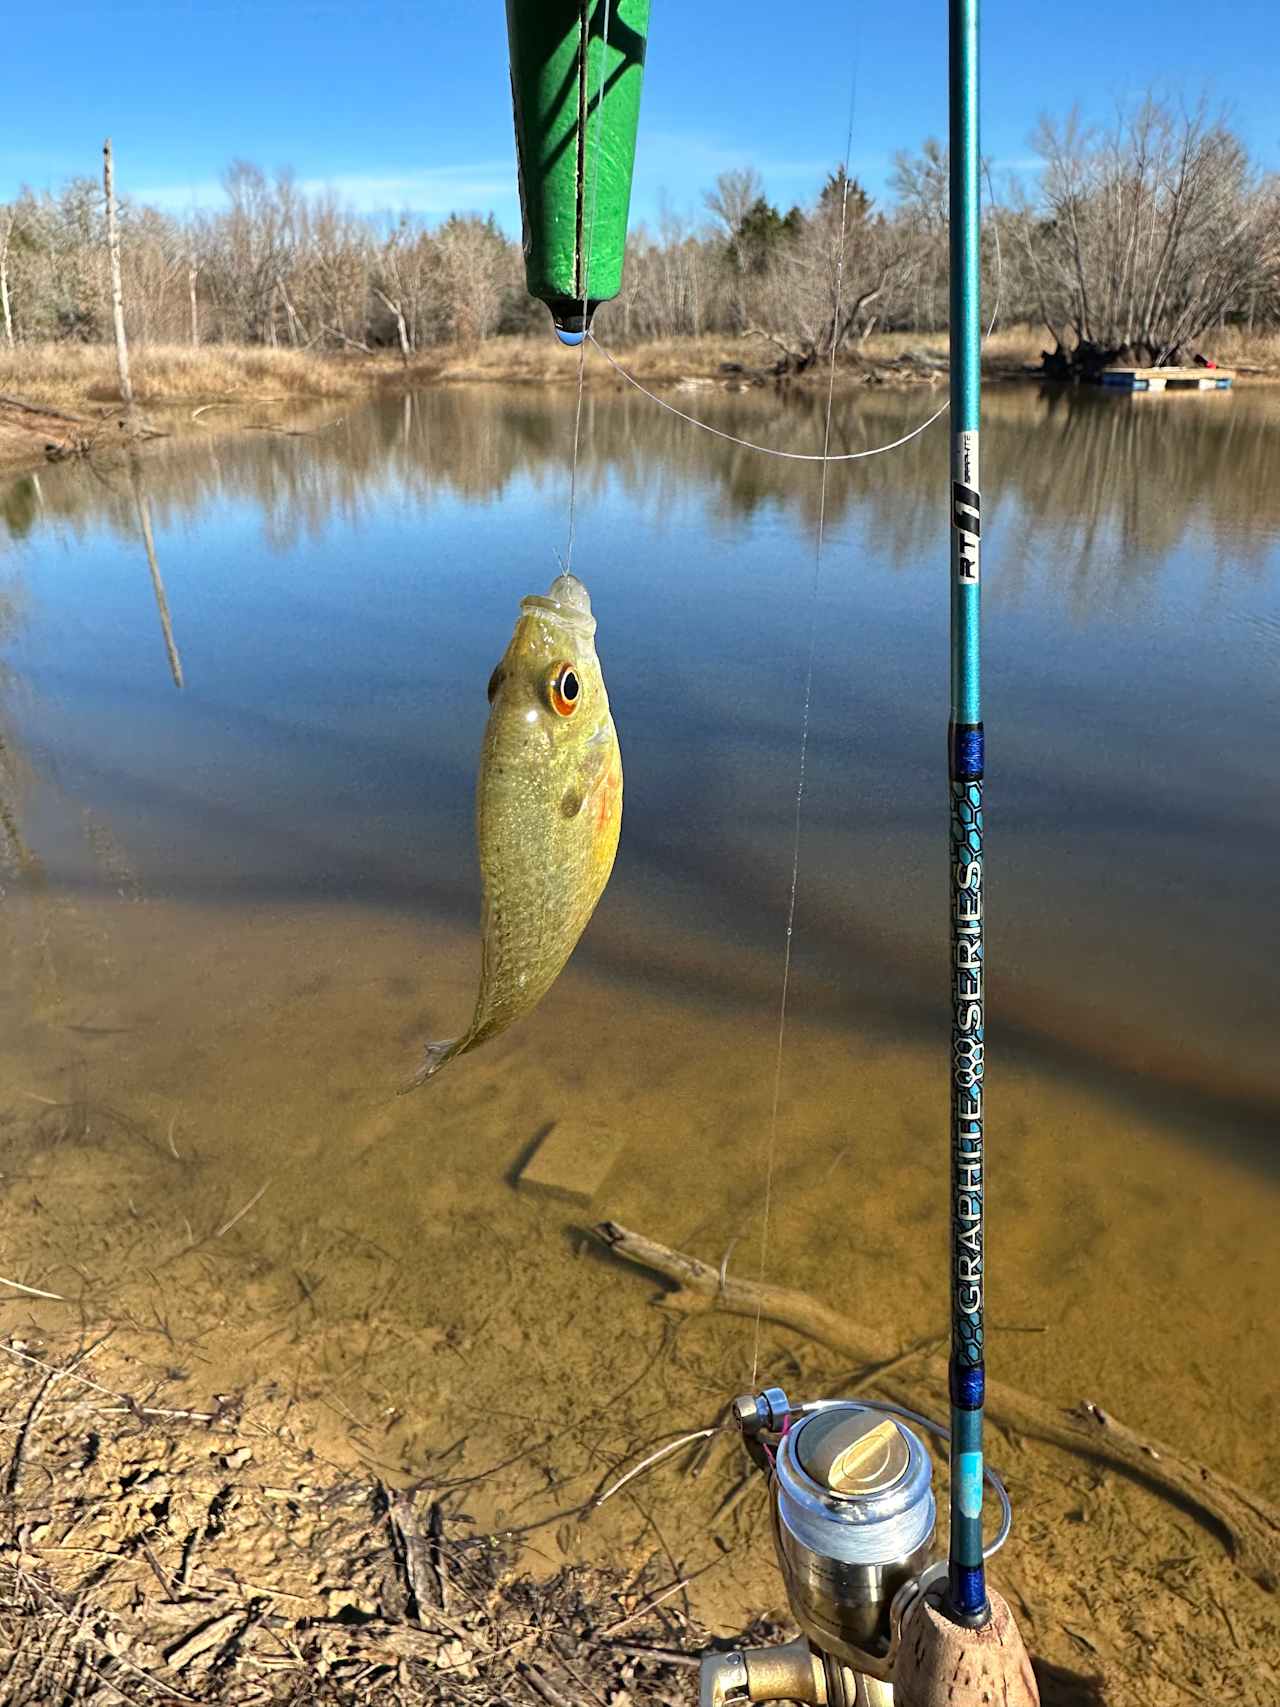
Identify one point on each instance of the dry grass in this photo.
(1007, 345)
(71, 376)
(542, 360)
(538, 360)
(82, 377)
(1021, 346)
(1234, 347)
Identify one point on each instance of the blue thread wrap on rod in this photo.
(967, 1593)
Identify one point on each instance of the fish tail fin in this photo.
(437, 1054)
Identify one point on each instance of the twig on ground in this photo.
(43, 409)
(32, 1291)
(124, 1402)
(648, 1607)
(241, 1213)
(1251, 1524)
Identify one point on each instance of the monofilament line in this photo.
(768, 450)
(824, 455)
(804, 737)
(573, 471)
(583, 115)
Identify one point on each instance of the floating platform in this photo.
(1167, 378)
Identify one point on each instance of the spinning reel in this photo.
(854, 1517)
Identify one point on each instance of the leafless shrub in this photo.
(1148, 233)
(1142, 237)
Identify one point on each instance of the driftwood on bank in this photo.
(42, 409)
(1249, 1523)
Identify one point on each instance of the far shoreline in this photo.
(59, 401)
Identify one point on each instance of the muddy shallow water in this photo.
(233, 911)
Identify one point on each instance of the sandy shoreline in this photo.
(395, 1293)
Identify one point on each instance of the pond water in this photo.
(234, 910)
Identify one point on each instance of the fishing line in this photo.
(583, 116)
(766, 450)
(822, 456)
(804, 726)
(826, 459)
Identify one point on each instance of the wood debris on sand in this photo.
(155, 1555)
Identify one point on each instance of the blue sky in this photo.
(407, 106)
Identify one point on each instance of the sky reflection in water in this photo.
(340, 599)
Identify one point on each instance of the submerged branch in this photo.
(1250, 1523)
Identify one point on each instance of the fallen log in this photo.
(1248, 1523)
(43, 409)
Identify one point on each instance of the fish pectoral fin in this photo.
(437, 1054)
(591, 773)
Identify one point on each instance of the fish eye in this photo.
(563, 688)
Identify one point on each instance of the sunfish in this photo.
(548, 810)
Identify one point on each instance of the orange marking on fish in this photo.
(607, 802)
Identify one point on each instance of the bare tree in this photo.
(730, 204)
(475, 268)
(117, 296)
(734, 195)
(1153, 231)
(392, 296)
(825, 281)
(1143, 237)
(6, 233)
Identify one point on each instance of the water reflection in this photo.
(143, 507)
(17, 860)
(1071, 470)
(344, 594)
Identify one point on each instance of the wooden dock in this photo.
(1168, 378)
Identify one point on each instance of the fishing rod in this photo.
(883, 1617)
(882, 1620)
(966, 1576)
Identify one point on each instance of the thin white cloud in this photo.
(430, 190)
(178, 198)
(697, 155)
(423, 189)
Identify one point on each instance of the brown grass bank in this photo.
(72, 395)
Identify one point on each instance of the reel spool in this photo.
(854, 1522)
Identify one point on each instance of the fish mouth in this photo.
(566, 600)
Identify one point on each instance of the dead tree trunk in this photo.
(117, 295)
(401, 329)
(291, 316)
(1250, 1522)
(192, 271)
(4, 278)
